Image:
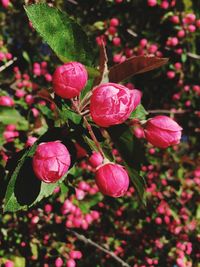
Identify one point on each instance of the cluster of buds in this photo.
(109, 104)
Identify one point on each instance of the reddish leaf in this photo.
(133, 66)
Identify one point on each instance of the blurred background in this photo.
(165, 232)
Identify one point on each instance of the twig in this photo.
(73, 2)
(195, 56)
(92, 243)
(166, 111)
(7, 64)
(88, 126)
(93, 136)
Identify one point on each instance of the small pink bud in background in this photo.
(116, 41)
(6, 101)
(48, 77)
(143, 42)
(71, 263)
(152, 3)
(5, 3)
(35, 219)
(112, 30)
(29, 99)
(112, 104)
(181, 33)
(162, 131)
(171, 74)
(164, 5)
(96, 159)
(114, 22)
(198, 23)
(30, 141)
(188, 103)
(75, 254)
(112, 180)
(84, 186)
(20, 93)
(35, 112)
(58, 262)
(178, 66)
(191, 28)
(48, 208)
(158, 220)
(175, 19)
(69, 79)
(139, 132)
(9, 263)
(11, 127)
(152, 49)
(80, 194)
(51, 161)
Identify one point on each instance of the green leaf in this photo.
(62, 33)
(12, 116)
(139, 183)
(24, 188)
(132, 151)
(139, 113)
(89, 202)
(66, 113)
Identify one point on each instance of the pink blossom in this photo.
(69, 79)
(51, 161)
(162, 131)
(6, 101)
(112, 104)
(112, 180)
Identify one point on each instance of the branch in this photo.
(7, 64)
(166, 111)
(195, 56)
(92, 243)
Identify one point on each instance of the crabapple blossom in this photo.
(112, 104)
(112, 180)
(69, 79)
(51, 161)
(162, 131)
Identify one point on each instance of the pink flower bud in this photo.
(152, 2)
(112, 104)
(29, 99)
(5, 3)
(71, 263)
(69, 79)
(112, 180)
(58, 262)
(80, 194)
(51, 161)
(116, 41)
(75, 254)
(139, 132)
(9, 264)
(31, 140)
(114, 22)
(143, 42)
(6, 101)
(48, 208)
(96, 159)
(162, 131)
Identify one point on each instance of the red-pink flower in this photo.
(112, 104)
(96, 159)
(112, 180)
(51, 161)
(69, 79)
(6, 101)
(162, 131)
